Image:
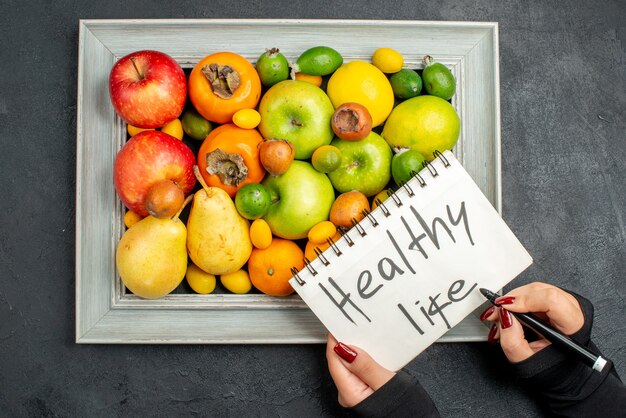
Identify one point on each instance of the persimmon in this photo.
(276, 155)
(164, 199)
(223, 83)
(270, 268)
(349, 206)
(229, 158)
(351, 121)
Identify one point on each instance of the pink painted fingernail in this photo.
(345, 352)
(491, 337)
(487, 313)
(506, 319)
(505, 300)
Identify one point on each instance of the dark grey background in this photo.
(563, 151)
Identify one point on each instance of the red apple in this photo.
(148, 89)
(146, 159)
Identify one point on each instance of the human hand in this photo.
(355, 373)
(557, 307)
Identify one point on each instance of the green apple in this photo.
(298, 112)
(365, 165)
(301, 198)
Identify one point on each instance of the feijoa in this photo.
(319, 60)
(406, 83)
(272, 67)
(196, 126)
(405, 164)
(438, 80)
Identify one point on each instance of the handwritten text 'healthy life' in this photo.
(420, 234)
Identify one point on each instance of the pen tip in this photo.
(484, 291)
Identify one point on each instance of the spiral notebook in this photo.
(411, 269)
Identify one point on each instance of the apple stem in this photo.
(141, 76)
(185, 203)
(196, 171)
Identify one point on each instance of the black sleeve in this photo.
(567, 386)
(402, 396)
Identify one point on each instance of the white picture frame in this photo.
(105, 312)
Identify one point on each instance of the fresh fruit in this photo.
(423, 123)
(351, 121)
(347, 207)
(146, 158)
(406, 84)
(321, 232)
(326, 158)
(361, 82)
(173, 128)
(309, 249)
(380, 197)
(199, 280)
(387, 60)
(218, 240)
(252, 201)
(131, 218)
(147, 89)
(247, 118)
(405, 164)
(270, 268)
(438, 80)
(316, 80)
(196, 126)
(365, 165)
(237, 282)
(164, 199)
(260, 234)
(223, 83)
(301, 198)
(276, 155)
(319, 60)
(229, 158)
(298, 112)
(272, 67)
(151, 257)
(133, 130)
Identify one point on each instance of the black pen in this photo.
(555, 337)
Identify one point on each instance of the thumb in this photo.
(362, 365)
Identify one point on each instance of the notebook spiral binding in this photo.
(357, 225)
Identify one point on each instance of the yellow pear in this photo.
(151, 257)
(218, 239)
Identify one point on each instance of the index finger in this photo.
(344, 379)
(561, 308)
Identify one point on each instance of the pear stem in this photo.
(196, 171)
(185, 203)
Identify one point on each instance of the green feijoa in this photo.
(272, 67)
(405, 164)
(406, 84)
(253, 201)
(195, 125)
(319, 60)
(438, 80)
